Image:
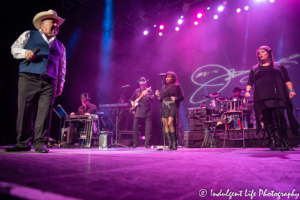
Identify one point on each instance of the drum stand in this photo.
(117, 123)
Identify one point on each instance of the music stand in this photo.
(61, 113)
(117, 122)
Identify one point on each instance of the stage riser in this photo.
(194, 139)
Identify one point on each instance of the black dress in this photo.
(169, 109)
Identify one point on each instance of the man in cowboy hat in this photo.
(86, 109)
(41, 79)
(237, 93)
(142, 111)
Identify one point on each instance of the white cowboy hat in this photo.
(44, 15)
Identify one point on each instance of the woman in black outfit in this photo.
(271, 80)
(170, 111)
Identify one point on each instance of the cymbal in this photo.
(221, 98)
(213, 94)
(205, 96)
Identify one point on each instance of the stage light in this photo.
(216, 17)
(199, 15)
(180, 21)
(161, 27)
(208, 8)
(246, 7)
(177, 28)
(160, 34)
(220, 8)
(154, 25)
(238, 10)
(146, 32)
(272, 1)
(181, 17)
(196, 23)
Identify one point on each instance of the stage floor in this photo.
(150, 174)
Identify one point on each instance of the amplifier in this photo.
(198, 112)
(125, 135)
(105, 139)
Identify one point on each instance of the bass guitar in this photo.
(136, 102)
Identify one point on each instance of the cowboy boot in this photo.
(271, 133)
(174, 141)
(285, 142)
(170, 139)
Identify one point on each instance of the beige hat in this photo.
(44, 15)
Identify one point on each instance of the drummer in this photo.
(237, 93)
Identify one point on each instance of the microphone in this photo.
(125, 86)
(162, 74)
(34, 52)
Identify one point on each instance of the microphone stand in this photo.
(117, 123)
(161, 110)
(277, 112)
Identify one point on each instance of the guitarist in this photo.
(142, 111)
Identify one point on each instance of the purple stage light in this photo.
(216, 17)
(238, 10)
(208, 8)
(196, 23)
(180, 21)
(161, 27)
(246, 8)
(181, 17)
(177, 28)
(154, 25)
(160, 34)
(220, 8)
(272, 1)
(199, 15)
(146, 32)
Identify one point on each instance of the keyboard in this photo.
(113, 105)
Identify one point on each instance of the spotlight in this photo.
(146, 32)
(220, 8)
(208, 8)
(246, 7)
(180, 21)
(199, 15)
(177, 28)
(181, 17)
(216, 17)
(161, 27)
(238, 10)
(154, 25)
(160, 34)
(272, 1)
(196, 23)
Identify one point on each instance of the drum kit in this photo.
(220, 104)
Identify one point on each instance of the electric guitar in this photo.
(136, 102)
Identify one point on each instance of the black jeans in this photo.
(35, 92)
(268, 116)
(147, 130)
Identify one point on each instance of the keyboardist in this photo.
(86, 109)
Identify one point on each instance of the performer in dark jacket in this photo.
(170, 112)
(142, 111)
(86, 109)
(271, 80)
(41, 79)
(237, 93)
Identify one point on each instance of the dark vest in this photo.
(47, 59)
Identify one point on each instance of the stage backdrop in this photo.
(214, 56)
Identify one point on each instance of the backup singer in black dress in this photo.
(269, 77)
(170, 112)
